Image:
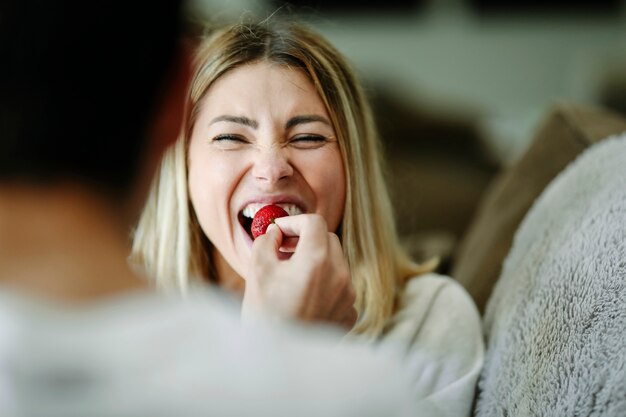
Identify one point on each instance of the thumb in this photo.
(266, 246)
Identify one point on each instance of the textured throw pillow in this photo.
(567, 130)
(556, 321)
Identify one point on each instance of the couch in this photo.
(545, 258)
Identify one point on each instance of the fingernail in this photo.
(271, 227)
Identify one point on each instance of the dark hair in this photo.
(78, 83)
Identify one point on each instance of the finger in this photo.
(311, 230)
(265, 247)
(294, 226)
(330, 290)
(289, 244)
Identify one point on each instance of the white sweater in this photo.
(437, 333)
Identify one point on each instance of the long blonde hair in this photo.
(168, 240)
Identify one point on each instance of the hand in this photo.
(313, 284)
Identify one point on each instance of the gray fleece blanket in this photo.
(556, 322)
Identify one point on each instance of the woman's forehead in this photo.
(251, 88)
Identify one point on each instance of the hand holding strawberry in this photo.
(265, 217)
(312, 285)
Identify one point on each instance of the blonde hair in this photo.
(168, 241)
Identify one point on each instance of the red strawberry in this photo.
(264, 217)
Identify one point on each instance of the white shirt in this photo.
(150, 355)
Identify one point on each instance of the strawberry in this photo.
(264, 217)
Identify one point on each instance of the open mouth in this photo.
(246, 215)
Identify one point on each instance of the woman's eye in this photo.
(228, 141)
(225, 138)
(308, 141)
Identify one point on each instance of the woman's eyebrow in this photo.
(242, 120)
(309, 118)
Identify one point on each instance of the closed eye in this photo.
(229, 141)
(308, 141)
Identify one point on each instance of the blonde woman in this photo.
(275, 115)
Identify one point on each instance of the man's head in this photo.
(79, 87)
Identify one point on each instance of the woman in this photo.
(275, 115)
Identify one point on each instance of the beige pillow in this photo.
(564, 133)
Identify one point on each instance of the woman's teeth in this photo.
(251, 209)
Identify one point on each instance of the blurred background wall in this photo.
(459, 87)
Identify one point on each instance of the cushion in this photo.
(566, 131)
(556, 321)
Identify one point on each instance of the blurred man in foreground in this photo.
(89, 98)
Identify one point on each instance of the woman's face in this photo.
(263, 136)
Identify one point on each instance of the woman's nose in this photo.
(272, 165)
